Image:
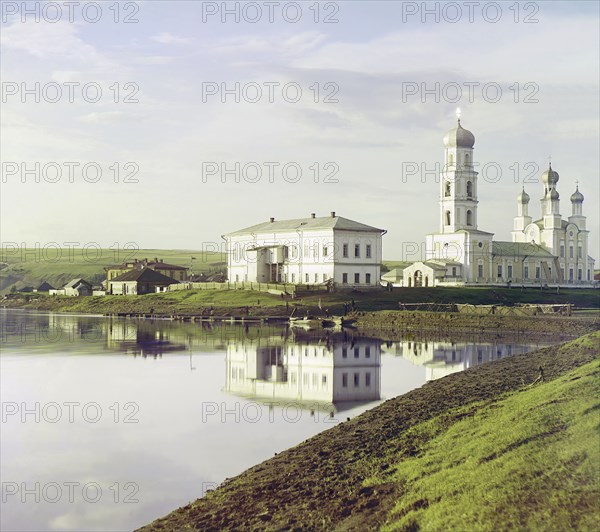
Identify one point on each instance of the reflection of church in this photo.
(441, 358)
(550, 250)
(307, 374)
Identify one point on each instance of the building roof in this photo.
(459, 136)
(76, 282)
(337, 223)
(519, 249)
(146, 275)
(540, 223)
(145, 263)
(45, 286)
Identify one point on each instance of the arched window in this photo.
(447, 217)
(469, 218)
(451, 159)
(447, 189)
(469, 189)
(466, 159)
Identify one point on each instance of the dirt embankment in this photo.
(317, 485)
(396, 325)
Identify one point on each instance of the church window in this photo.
(325, 251)
(579, 275)
(357, 278)
(367, 380)
(537, 272)
(316, 277)
(368, 251)
(469, 189)
(526, 272)
(357, 250)
(562, 250)
(356, 380)
(345, 278)
(345, 251)
(580, 252)
(306, 277)
(447, 189)
(571, 274)
(480, 270)
(447, 217)
(480, 244)
(499, 270)
(469, 218)
(571, 251)
(509, 271)
(466, 159)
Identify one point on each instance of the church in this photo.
(548, 251)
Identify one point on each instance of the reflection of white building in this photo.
(306, 251)
(444, 358)
(310, 373)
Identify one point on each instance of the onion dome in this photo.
(550, 177)
(554, 194)
(459, 137)
(577, 197)
(523, 197)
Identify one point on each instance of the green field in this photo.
(30, 267)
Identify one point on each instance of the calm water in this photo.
(108, 423)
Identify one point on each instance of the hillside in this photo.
(29, 267)
(485, 449)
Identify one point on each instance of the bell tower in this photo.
(458, 193)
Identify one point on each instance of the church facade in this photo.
(550, 250)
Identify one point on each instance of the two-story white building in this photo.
(313, 250)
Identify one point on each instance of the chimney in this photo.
(312, 215)
(333, 214)
(272, 220)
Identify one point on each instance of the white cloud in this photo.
(168, 38)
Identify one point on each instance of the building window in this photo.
(325, 251)
(293, 277)
(345, 251)
(447, 217)
(537, 272)
(368, 351)
(499, 270)
(562, 250)
(480, 270)
(345, 380)
(316, 277)
(580, 252)
(356, 278)
(509, 271)
(469, 189)
(324, 380)
(466, 159)
(368, 380)
(571, 251)
(324, 277)
(368, 251)
(526, 272)
(344, 352)
(356, 352)
(453, 271)
(469, 218)
(306, 277)
(368, 278)
(345, 278)
(356, 380)
(237, 278)
(571, 274)
(579, 275)
(357, 250)
(447, 189)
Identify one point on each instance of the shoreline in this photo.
(346, 477)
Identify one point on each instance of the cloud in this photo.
(165, 37)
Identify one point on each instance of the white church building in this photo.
(549, 250)
(311, 251)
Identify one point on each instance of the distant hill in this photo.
(57, 266)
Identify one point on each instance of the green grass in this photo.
(530, 461)
(30, 267)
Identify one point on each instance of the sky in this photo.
(194, 119)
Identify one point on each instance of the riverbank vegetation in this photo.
(485, 449)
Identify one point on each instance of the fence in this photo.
(244, 285)
(501, 310)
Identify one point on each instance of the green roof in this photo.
(519, 249)
(337, 223)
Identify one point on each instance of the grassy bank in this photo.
(234, 302)
(479, 450)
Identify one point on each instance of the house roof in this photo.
(519, 249)
(337, 223)
(155, 264)
(75, 282)
(145, 275)
(45, 286)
